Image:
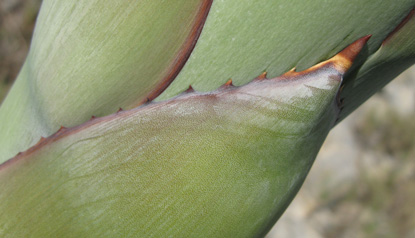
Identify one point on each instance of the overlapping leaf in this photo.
(223, 163)
(93, 57)
(219, 164)
(90, 58)
(396, 54)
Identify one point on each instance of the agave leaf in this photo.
(243, 38)
(75, 71)
(93, 57)
(396, 54)
(218, 164)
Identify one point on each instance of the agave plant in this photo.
(225, 105)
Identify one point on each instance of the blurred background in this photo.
(363, 181)
(17, 19)
(362, 184)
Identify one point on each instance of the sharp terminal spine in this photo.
(343, 60)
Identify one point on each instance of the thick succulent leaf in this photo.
(218, 164)
(75, 70)
(243, 38)
(93, 57)
(396, 54)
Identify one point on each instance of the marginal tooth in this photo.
(261, 76)
(120, 110)
(341, 62)
(189, 89)
(148, 100)
(227, 84)
(290, 72)
(92, 118)
(62, 128)
(41, 140)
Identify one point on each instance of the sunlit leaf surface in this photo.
(218, 164)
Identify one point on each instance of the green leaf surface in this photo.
(243, 38)
(218, 164)
(396, 54)
(93, 57)
(90, 58)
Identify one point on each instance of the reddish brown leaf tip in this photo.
(189, 89)
(120, 110)
(341, 62)
(344, 59)
(261, 76)
(92, 118)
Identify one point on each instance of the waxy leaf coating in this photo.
(219, 164)
(92, 57)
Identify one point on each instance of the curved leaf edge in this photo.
(184, 54)
(372, 72)
(341, 62)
